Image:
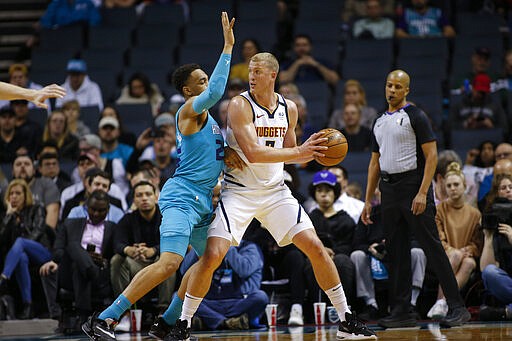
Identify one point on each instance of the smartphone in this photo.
(91, 248)
(490, 221)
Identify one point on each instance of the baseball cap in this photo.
(483, 51)
(18, 67)
(108, 121)
(77, 65)
(482, 82)
(164, 119)
(92, 140)
(324, 177)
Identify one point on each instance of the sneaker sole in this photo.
(85, 328)
(349, 336)
(155, 336)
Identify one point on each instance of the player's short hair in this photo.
(268, 59)
(181, 75)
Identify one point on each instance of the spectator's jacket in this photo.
(88, 94)
(65, 12)
(335, 232)
(69, 237)
(133, 228)
(31, 225)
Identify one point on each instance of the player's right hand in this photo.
(310, 148)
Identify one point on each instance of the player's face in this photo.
(505, 189)
(454, 187)
(260, 76)
(396, 90)
(197, 82)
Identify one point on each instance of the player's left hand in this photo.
(419, 204)
(232, 159)
(51, 91)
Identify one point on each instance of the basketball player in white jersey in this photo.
(261, 129)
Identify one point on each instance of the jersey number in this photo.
(270, 143)
(220, 150)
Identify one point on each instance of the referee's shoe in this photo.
(353, 329)
(455, 317)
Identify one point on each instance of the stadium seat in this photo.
(208, 11)
(478, 24)
(103, 37)
(69, 37)
(168, 14)
(90, 115)
(422, 47)
(320, 30)
(143, 57)
(464, 140)
(381, 50)
(256, 10)
(320, 10)
(366, 69)
(48, 76)
(314, 90)
(136, 117)
(154, 36)
(112, 59)
(356, 161)
(38, 115)
(46, 60)
(418, 66)
(108, 80)
(119, 17)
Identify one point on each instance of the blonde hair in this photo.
(268, 59)
(46, 134)
(454, 169)
(359, 86)
(29, 199)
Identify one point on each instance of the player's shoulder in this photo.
(413, 111)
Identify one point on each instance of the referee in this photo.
(404, 157)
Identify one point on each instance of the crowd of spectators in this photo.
(91, 227)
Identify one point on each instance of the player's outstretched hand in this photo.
(51, 91)
(227, 28)
(232, 159)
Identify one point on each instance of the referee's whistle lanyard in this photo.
(391, 113)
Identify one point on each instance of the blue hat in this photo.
(324, 177)
(77, 65)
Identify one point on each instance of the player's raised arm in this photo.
(219, 77)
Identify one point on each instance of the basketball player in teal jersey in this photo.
(185, 200)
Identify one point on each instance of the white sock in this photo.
(339, 301)
(371, 301)
(190, 305)
(441, 301)
(414, 295)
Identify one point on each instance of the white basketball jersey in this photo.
(271, 128)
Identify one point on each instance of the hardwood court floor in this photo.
(425, 331)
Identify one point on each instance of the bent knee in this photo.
(169, 262)
(455, 256)
(357, 255)
(469, 264)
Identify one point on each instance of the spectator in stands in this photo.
(507, 72)
(68, 12)
(91, 144)
(86, 247)
(352, 206)
(423, 21)
(49, 167)
(336, 231)
(79, 86)
(30, 130)
(478, 110)
(373, 25)
(480, 63)
(23, 232)
(140, 90)
(354, 190)
(235, 300)
(369, 242)
(12, 142)
(126, 137)
(496, 258)
(457, 223)
(240, 70)
(494, 192)
(479, 163)
(444, 158)
(223, 116)
(108, 131)
(44, 191)
(157, 145)
(137, 244)
(502, 153)
(18, 75)
(72, 111)
(235, 87)
(358, 136)
(304, 128)
(355, 9)
(56, 129)
(304, 67)
(353, 93)
(87, 162)
(95, 180)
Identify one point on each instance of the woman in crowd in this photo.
(457, 224)
(57, 129)
(72, 111)
(140, 90)
(241, 70)
(354, 94)
(24, 233)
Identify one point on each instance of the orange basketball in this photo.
(338, 147)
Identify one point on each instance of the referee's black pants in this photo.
(399, 222)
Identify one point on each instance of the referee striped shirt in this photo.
(397, 136)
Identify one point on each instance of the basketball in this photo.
(338, 147)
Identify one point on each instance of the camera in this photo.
(91, 248)
(501, 212)
(381, 248)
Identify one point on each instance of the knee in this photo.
(212, 258)
(18, 244)
(490, 272)
(261, 297)
(168, 264)
(417, 254)
(358, 256)
(468, 264)
(455, 256)
(116, 261)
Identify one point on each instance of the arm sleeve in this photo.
(374, 144)
(421, 125)
(216, 85)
